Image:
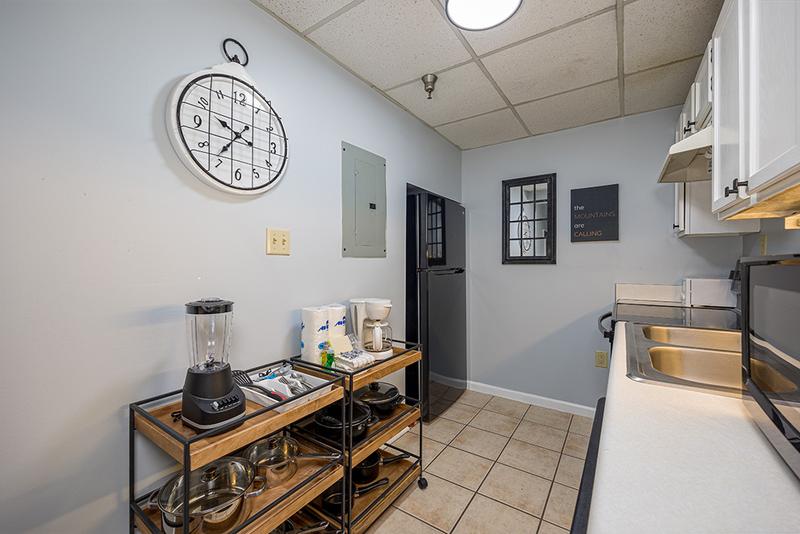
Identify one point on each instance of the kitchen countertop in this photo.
(675, 460)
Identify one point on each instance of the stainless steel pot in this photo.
(216, 494)
(276, 458)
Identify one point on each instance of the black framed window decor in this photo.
(529, 219)
(436, 244)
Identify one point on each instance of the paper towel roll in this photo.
(337, 320)
(313, 333)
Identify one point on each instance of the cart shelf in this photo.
(275, 504)
(369, 507)
(208, 449)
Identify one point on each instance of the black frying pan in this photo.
(332, 499)
(369, 469)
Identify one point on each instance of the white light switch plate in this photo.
(278, 242)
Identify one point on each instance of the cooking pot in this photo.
(216, 493)
(369, 469)
(333, 497)
(381, 397)
(275, 458)
(328, 421)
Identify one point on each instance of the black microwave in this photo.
(770, 306)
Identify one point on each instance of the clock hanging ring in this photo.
(225, 130)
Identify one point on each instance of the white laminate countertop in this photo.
(675, 460)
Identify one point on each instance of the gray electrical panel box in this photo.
(363, 203)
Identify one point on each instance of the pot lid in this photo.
(378, 393)
(211, 488)
(209, 306)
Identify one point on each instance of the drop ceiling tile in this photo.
(533, 17)
(576, 108)
(575, 56)
(460, 92)
(488, 129)
(660, 87)
(661, 31)
(302, 14)
(389, 43)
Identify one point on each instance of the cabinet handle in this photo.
(688, 127)
(674, 226)
(735, 189)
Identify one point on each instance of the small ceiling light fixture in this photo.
(429, 82)
(476, 15)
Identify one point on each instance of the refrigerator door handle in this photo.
(456, 270)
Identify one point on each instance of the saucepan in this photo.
(328, 421)
(369, 469)
(276, 458)
(333, 497)
(216, 494)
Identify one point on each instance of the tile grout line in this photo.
(494, 462)
(341, 11)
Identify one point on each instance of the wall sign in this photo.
(595, 213)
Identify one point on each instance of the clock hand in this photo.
(224, 124)
(237, 135)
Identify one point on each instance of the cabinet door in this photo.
(688, 113)
(702, 92)
(773, 90)
(679, 225)
(728, 156)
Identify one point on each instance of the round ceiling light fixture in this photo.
(476, 15)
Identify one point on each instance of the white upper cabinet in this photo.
(728, 114)
(773, 91)
(702, 91)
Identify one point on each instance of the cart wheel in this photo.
(422, 483)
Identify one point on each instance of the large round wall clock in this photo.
(226, 132)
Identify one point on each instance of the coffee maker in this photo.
(376, 334)
(210, 396)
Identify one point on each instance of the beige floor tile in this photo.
(581, 425)
(543, 436)
(463, 468)
(576, 445)
(396, 521)
(473, 398)
(530, 458)
(516, 488)
(440, 505)
(508, 407)
(548, 417)
(495, 422)
(547, 528)
(410, 442)
(480, 442)
(460, 413)
(569, 471)
(561, 506)
(486, 516)
(440, 429)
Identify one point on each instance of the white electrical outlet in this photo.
(278, 242)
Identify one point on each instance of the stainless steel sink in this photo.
(709, 360)
(696, 338)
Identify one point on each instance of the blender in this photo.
(210, 396)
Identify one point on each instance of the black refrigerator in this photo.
(436, 297)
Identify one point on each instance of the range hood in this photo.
(689, 160)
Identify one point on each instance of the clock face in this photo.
(233, 138)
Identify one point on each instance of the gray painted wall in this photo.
(779, 240)
(105, 234)
(533, 328)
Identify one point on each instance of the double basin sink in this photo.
(695, 358)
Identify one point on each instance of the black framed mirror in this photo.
(529, 219)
